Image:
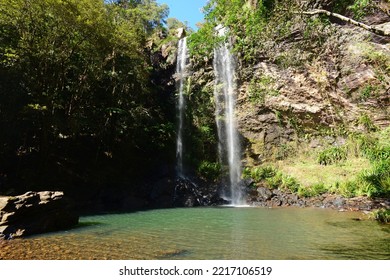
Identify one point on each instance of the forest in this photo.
(84, 96)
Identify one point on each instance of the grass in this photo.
(361, 167)
(309, 172)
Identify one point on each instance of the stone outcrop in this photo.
(265, 197)
(35, 212)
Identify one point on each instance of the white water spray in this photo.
(181, 75)
(225, 99)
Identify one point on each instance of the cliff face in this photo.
(338, 84)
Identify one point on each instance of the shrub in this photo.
(284, 152)
(378, 153)
(381, 215)
(259, 173)
(359, 8)
(376, 182)
(289, 183)
(275, 181)
(282, 181)
(259, 88)
(347, 189)
(209, 170)
(332, 155)
(314, 190)
(367, 123)
(365, 143)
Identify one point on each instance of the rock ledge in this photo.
(35, 212)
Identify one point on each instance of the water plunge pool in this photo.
(212, 233)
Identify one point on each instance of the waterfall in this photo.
(180, 76)
(224, 95)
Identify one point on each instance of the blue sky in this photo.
(185, 10)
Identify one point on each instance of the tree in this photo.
(77, 69)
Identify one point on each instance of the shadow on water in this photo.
(87, 224)
(361, 251)
(178, 254)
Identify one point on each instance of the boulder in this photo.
(35, 212)
(264, 193)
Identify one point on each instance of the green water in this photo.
(217, 233)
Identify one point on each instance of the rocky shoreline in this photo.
(264, 197)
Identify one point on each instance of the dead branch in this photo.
(349, 20)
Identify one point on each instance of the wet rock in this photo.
(339, 202)
(190, 193)
(264, 193)
(36, 212)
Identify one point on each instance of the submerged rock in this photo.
(35, 212)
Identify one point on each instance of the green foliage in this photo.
(201, 43)
(284, 151)
(314, 29)
(378, 153)
(359, 8)
(272, 178)
(364, 144)
(367, 92)
(274, 182)
(374, 182)
(347, 189)
(367, 123)
(289, 58)
(259, 173)
(209, 170)
(259, 88)
(373, 147)
(377, 57)
(314, 190)
(245, 23)
(381, 215)
(289, 183)
(377, 180)
(79, 69)
(332, 155)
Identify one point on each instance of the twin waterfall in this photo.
(181, 75)
(225, 99)
(225, 102)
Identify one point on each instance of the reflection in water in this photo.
(211, 233)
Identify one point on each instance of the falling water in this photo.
(181, 74)
(224, 95)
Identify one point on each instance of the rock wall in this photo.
(35, 212)
(299, 91)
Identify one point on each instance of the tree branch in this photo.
(349, 20)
